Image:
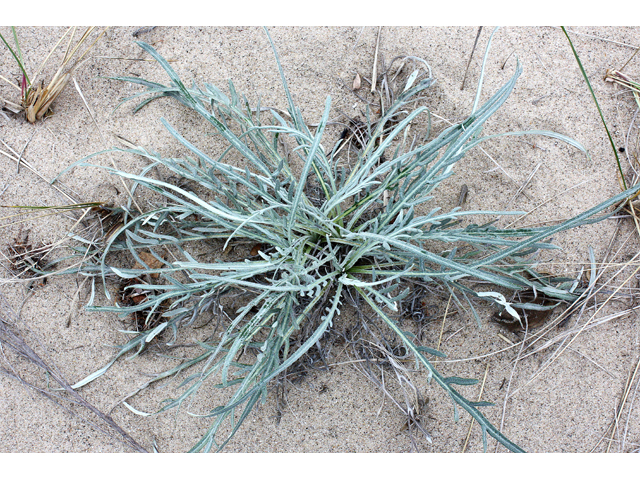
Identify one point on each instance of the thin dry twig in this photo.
(484, 379)
(475, 44)
(11, 340)
(23, 149)
(444, 318)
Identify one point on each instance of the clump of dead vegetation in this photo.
(36, 97)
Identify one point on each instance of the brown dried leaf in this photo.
(151, 261)
(256, 248)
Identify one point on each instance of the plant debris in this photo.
(132, 294)
(529, 317)
(26, 259)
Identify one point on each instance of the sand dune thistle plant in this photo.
(361, 232)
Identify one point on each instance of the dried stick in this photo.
(14, 342)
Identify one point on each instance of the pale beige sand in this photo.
(569, 406)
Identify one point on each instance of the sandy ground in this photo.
(567, 407)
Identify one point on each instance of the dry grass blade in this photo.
(614, 425)
(622, 44)
(444, 319)
(525, 184)
(511, 375)
(630, 409)
(580, 330)
(16, 157)
(563, 192)
(625, 396)
(484, 379)
(13, 342)
(576, 330)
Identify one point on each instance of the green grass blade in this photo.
(16, 57)
(595, 100)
